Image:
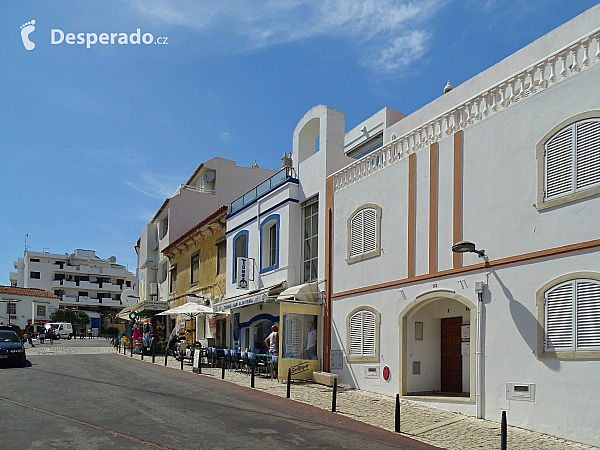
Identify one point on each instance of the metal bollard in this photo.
(181, 362)
(199, 363)
(252, 377)
(131, 351)
(289, 382)
(124, 348)
(397, 415)
(142, 353)
(223, 369)
(503, 432)
(153, 352)
(334, 398)
(166, 354)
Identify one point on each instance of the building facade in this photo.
(509, 161)
(197, 262)
(213, 184)
(23, 306)
(81, 280)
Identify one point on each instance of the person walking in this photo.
(272, 343)
(29, 332)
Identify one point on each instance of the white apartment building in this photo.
(213, 184)
(23, 306)
(510, 320)
(81, 280)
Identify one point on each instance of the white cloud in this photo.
(393, 29)
(225, 136)
(157, 185)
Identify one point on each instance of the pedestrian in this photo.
(29, 332)
(272, 343)
(50, 335)
(42, 335)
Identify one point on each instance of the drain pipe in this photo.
(479, 357)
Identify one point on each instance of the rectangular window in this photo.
(310, 258)
(173, 278)
(195, 267)
(11, 308)
(34, 260)
(35, 275)
(221, 257)
(41, 310)
(239, 251)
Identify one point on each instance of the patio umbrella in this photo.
(188, 309)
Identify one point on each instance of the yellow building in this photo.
(197, 274)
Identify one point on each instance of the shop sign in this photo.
(155, 306)
(299, 368)
(261, 297)
(242, 272)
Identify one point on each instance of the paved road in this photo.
(66, 399)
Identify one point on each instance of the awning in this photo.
(189, 309)
(142, 307)
(262, 295)
(308, 293)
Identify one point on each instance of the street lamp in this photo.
(467, 247)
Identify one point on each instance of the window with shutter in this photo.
(572, 316)
(364, 233)
(363, 335)
(571, 162)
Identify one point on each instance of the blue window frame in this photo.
(240, 249)
(269, 243)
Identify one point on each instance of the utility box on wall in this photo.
(337, 359)
(520, 391)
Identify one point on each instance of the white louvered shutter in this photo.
(356, 234)
(588, 315)
(588, 153)
(355, 334)
(369, 334)
(559, 317)
(559, 164)
(370, 230)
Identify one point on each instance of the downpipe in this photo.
(479, 357)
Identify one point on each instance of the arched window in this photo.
(269, 246)
(570, 161)
(240, 249)
(364, 233)
(362, 329)
(572, 316)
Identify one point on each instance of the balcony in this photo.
(262, 189)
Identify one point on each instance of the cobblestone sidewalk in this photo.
(434, 426)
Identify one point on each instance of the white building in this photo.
(81, 280)
(22, 306)
(213, 184)
(509, 160)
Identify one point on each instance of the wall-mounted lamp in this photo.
(467, 247)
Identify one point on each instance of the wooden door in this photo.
(451, 357)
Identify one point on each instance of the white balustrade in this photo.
(572, 58)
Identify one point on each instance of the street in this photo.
(68, 399)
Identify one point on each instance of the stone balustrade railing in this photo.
(563, 64)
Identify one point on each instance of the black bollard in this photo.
(397, 416)
(252, 377)
(223, 369)
(142, 347)
(166, 354)
(503, 432)
(181, 362)
(289, 382)
(124, 348)
(153, 352)
(334, 398)
(199, 363)
(131, 351)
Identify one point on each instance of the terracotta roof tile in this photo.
(29, 292)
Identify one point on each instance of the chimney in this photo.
(286, 161)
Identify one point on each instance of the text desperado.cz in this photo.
(58, 36)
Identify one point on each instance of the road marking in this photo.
(96, 427)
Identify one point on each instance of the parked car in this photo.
(62, 330)
(12, 349)
(16, 329)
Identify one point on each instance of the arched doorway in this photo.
(437, 345)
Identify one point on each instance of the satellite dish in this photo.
(153, 245)
(72, 255)
(113, 259)
(208, 176)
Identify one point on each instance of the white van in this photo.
(62, 330)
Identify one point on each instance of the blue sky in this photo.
(94, 139)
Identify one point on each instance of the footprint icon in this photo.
(26, 29)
